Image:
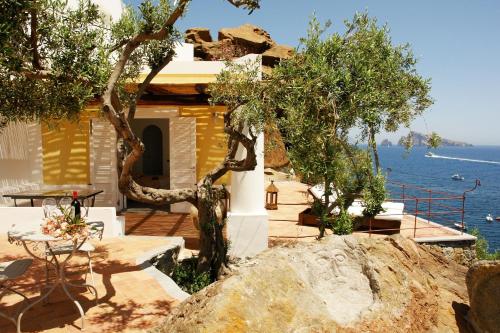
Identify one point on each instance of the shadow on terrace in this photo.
(129, 299)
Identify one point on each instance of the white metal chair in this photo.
(10, 271)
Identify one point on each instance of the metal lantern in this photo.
(272, 196)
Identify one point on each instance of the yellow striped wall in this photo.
(211, 143)
(66, 152)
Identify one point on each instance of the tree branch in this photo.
(142, 86)
(34, 40)
(158, 35)
(113, 109)
(236, 137)
(250, 4)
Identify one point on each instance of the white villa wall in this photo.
(20, 159)
(184, 52)
(247, 222)
(112, 9)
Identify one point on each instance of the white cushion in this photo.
(393, 211)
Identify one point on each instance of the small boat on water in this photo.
(457, 177)
(459, 226)
(497, 218)
(429, 154)
(489, 218)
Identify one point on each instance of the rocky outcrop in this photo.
(419, 139)
(339, 284)
(249, 36)
(237, 42)
(386, 143)
(273, 56)
(198, 35)
(275, 153)
(483, 286)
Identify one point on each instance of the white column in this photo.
(247, 227)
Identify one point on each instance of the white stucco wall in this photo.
(247, 226)
(20, 159)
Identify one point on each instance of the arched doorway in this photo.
(152, 161)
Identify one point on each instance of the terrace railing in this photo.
(437, 209)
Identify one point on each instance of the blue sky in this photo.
(457, 44)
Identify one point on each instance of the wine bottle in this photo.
(75, 205)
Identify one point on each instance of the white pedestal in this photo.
(247, 233)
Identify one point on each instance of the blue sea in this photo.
(481, 162)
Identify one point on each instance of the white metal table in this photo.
(40, 247)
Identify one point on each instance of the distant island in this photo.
(386, 143)
(420, 140)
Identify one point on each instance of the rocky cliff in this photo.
(386, 143)
(420, 139)
(340, 284)
(237, 42)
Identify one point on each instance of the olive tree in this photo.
(337, 83)
(54, 59)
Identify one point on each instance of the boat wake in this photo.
(462, 159)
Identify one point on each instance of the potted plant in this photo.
(311, 215)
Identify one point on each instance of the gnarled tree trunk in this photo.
(212, 254)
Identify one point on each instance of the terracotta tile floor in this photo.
(129, 299)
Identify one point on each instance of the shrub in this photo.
(186, 276)
(482, 247)
(342, 223)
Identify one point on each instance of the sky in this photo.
(456, 42)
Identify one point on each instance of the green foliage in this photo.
(76, 48)
(317, 207)
(333, 85)
(342, 224)
(186, 276)
(482, 247)
(433, 140)
(374, 194)
(70, 47)
(239, 89)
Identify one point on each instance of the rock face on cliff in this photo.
(386, 143)
(237, 42)
(483, 285)
(420, 139)
(340, 284)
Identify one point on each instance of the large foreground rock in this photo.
(341, 284)
(483, 285)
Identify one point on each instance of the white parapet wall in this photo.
(247, 226)
(30, 218)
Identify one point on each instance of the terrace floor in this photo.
(283, 222)
(130, 300)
